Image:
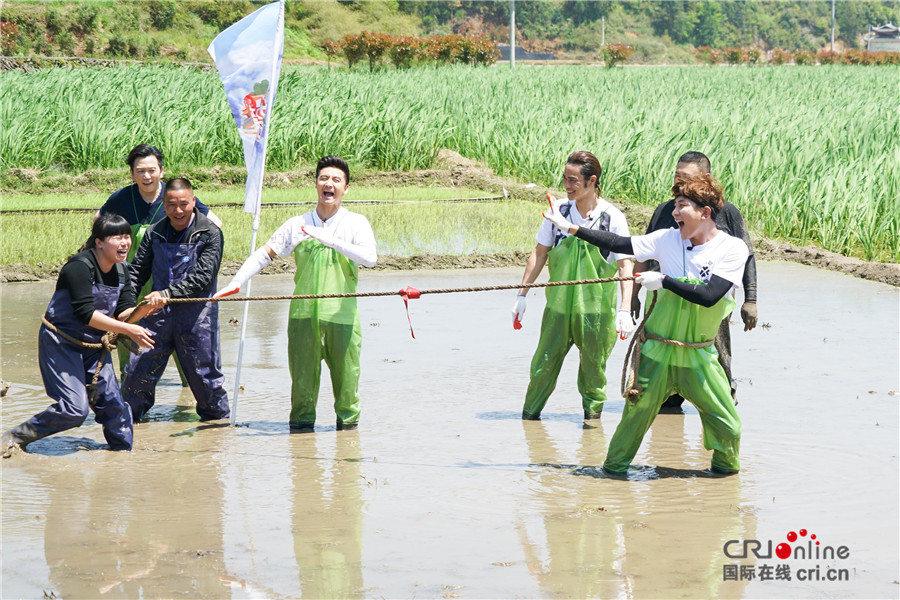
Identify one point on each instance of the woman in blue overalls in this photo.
(93, 294)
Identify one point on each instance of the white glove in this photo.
(624, 324)
(232, 288)
(651, 280)
(518, 311)
(554, 216)
(320, 233)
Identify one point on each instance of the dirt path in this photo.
(451, 170)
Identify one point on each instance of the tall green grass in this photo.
(808, 154)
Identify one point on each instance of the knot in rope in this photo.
(109, 341)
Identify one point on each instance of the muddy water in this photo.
(444, 491)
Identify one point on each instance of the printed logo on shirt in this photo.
(706, 272)
(558, 236)
(185, 259)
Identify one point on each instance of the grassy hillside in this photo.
(180, 31)
(660, 31)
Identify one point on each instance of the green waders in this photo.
(584, 315)
(137, 234)
(694, 373)
(323, 329)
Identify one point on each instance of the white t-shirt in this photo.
(547, 233)
(723, 255)
(352, 232)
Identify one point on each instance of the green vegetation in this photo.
(802, 165)
(15, 202)
(401, 230)
(661, 31)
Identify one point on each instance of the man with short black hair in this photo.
(328, 243)
(729, 220)
(141, 204)
(182, 253)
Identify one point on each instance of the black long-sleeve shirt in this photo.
(730, 221)
(78, 278)
(702, 294)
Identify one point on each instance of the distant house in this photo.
(883, 39)
(522, 54)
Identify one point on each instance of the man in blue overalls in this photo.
(141, 205)
(182, 254)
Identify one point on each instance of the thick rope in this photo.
(630, 388)
(486, 288)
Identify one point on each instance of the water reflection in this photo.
(680, 521)
(112, 532)
(575, 553)
(326, 517)
(658, 533)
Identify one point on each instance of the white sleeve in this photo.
(545, 234)
(734, 258)
(647, 247)
(362, 249)
(255, 263)
(286, 237)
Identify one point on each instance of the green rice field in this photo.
(400, 230)
(809, 154)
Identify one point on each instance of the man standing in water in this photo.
(182, 253)
(729, 220)
(583, 315)
(328, 244)
(700, 266)
(141, 203)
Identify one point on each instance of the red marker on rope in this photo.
(409, 293)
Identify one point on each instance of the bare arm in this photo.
(536, 262)
(138, 334)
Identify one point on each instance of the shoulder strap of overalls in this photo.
(91, 265)
(558, 236)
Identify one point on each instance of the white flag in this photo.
(248, 57)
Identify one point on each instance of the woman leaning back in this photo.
(93, 294)
(700, 266)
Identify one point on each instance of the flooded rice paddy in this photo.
(444, 492)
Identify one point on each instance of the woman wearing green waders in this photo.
(141, 204)
(583, 315)
(700, 266)
(328, 244)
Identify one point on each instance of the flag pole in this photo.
(240, 356)
(250, 77)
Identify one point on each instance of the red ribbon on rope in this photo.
(409, 293)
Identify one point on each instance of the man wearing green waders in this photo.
(699, 266)
(328, 244)
(583, 315)
(141, 204)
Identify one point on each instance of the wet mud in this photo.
(443, 491)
